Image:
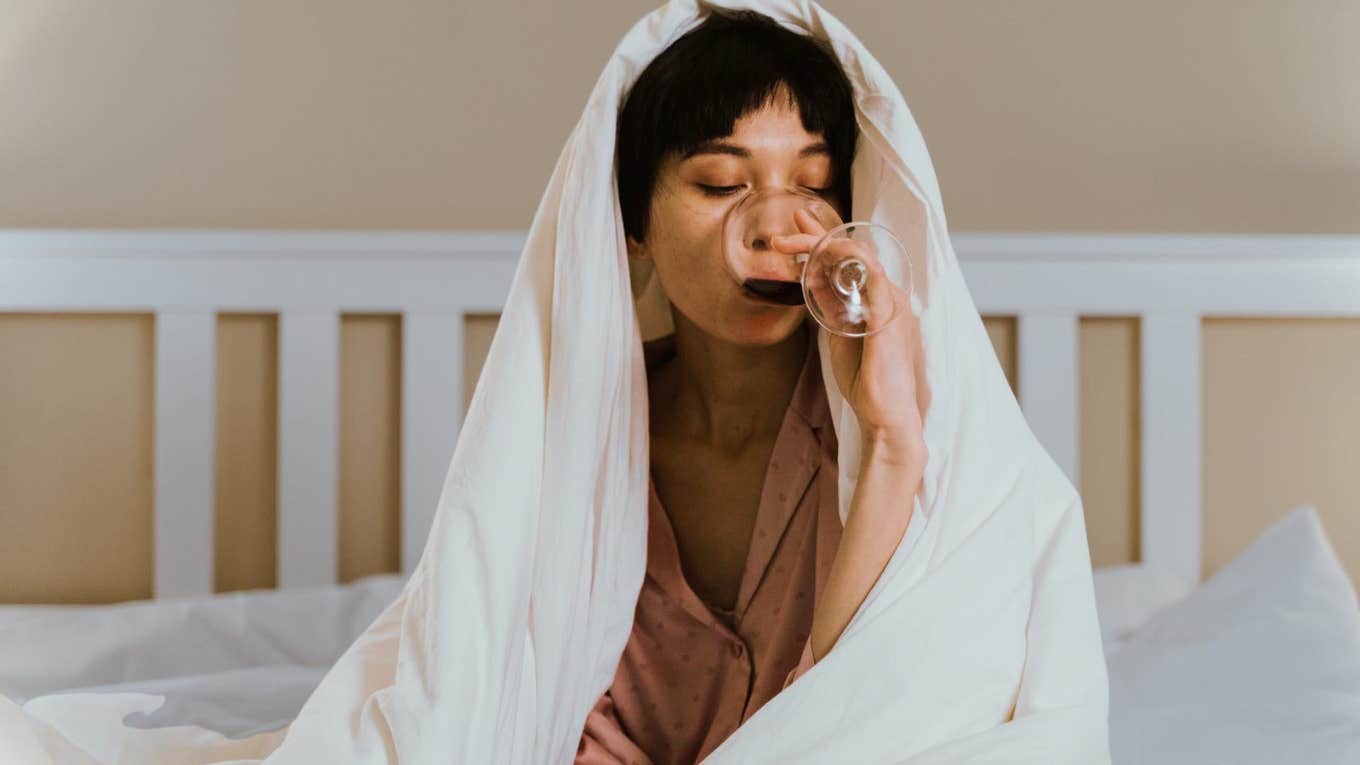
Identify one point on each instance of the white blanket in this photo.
(979, 643)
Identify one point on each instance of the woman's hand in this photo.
(877, 373)
(878, 376)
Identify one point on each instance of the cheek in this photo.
(691, 277)
(689, 264)
(687, 251)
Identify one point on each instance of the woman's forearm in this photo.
(879, 512)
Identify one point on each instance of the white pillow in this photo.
(1127, 595)
(1260, 665)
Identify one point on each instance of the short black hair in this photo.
(731, 64)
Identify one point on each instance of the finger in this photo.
(794, 242)
(811, 228)
(883, 304)
(808, 223)
(838, 246)
(883, 300)
(847, 355)
(845, 247)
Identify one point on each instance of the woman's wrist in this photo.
(895, 447)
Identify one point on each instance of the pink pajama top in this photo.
(690, 672)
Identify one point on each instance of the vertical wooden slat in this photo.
(309, 350)
(1047, 346)
(431, 415)
(1170, 476)
(185, 407)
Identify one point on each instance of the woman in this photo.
(750, 577)
(524, 624)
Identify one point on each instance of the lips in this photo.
(757, 297)
(773, 291)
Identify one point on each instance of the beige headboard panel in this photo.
(1281, 427)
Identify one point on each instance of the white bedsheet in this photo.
(237, 663)
(1261, 664)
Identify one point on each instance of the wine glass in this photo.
(854, 280)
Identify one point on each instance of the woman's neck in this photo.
(723, 395)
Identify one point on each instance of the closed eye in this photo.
(724, 191)
(719, 191)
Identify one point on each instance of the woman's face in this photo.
(767, 148)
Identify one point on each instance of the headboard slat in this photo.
(309, 437)
(1046, 344)
(186, 363)
(1170, 458)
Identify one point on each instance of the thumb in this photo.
(845, 355)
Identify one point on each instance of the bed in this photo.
(1259, 663)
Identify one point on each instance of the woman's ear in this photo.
(636, 250)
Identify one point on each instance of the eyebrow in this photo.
(724, 147)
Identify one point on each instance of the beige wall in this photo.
(1214, 116)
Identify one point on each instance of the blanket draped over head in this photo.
(978, 644)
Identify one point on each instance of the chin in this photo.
(761, 332)
(743, 323)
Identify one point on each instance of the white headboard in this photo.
(432, 279)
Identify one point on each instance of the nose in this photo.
(749, 231)
(767, 222)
